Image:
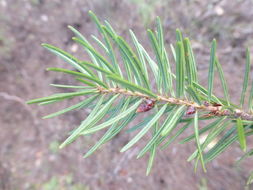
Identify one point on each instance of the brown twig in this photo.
(19, 100)
(212, 109)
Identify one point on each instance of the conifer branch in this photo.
(118, 94)
(213, 110)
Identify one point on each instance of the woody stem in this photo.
(217, 110)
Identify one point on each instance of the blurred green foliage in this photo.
(54, 146)
(62, 183)
(146, 8)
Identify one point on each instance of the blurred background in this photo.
(29, 154)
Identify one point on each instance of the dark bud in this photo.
(190, 110)
(206, 103)
(145, 106)
(216, 104)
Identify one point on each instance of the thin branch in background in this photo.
(22, 102)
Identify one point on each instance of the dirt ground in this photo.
(29, 157)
